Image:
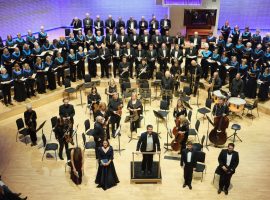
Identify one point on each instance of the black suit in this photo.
(119, 25)
(156, 41)
(104, 55)
(145, 41)
(138, 58)
(129, 28)
(189, 54)
(180, 41)
(143, 25)
(168, 40)
(122, 40)
(99, 135)
(163, 58)
(225, 177)
(87, 25)
(110, 41)
(130, 59)
(76, 25)
(153, 26)
(116, 60)
(164, 28)
(67, 111)
(151, 59)
(142, 146)
(188, 167)
(100, 27)
(199, 41)
(109, 24)
(134, 40)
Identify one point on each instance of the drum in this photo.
(236, 104)
(216, 95)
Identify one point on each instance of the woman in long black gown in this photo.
(106, 174)
(41, 83)
(264, 87)
(19, 84)
(50, 73)
(77, 165)
(251, 86)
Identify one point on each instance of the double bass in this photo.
(218, 135)
(178, 136)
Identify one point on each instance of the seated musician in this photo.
(30, 119)
(143, 70)
(112, 88)
(115, 107)
(60, 130)
(135, 110)
(220, 109)
(182, 128)
(179, 110)
(104, 112)
(93, 99)
(66, 111)
(237, 86)
(167, 83)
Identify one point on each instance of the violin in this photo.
(119, 110)
(67, 131)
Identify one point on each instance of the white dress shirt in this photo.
(150, 143)
(165, 22)
(189, 157)
(229, 158)
(195, 41)
(132, 25)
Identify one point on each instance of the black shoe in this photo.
(184, 185)
(61, 158)
(226, 192)
(10, 103)
(190, 187)
(219, 191)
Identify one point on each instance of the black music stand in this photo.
(144, 92)
(156, 84)
(131, 132)
(80, 87)
(118, 133)
(168, 94)
(207, 138)
(41, 128)
(158, 117)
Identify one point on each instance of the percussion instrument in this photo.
(236, 104)
(216, 95)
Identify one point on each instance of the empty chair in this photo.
(200, 165)
(88, 145)
(205, 110)
(250, 107)
(68, 89)
(199, 146)
(49, 146)
(53, 123)
(21, 129)
(195, 132)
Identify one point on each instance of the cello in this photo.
(178, 136)
(218, 135)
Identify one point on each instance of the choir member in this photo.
(153, 25)
(80, 39)
(163, 58)
(143, 25)
(257, 55)
(124, 68)
(104, 112)
(221, 44)
(206, 54)
(196, 73)
(120, 24)
(246, 36)
(237, 86)
(109, 24)
(196, 40)
(191, 54)
(89, 39)
(211, 40)
(145, 40)
(165, 25)
(135, 111)
(235, 35)
(266, 41)
(112, 88)
(110, 39)
(167, 39)
(131, 24)
(233, 69)
(99, 25)
(239, 49)
(229, 48)
(77, 165)
(93, 99)
(46, 47)
(10, 43)
(87, 24)
(115, 107)
(266, 58)
(224, 61)
(76, 23)
(49, 67)
(5, 81)
(188, 160)
(106, 175)
(99, 40)
(243, 70)
(27, 55)
(225, 30)
(228, 160)
(19, 84)
(19, 41)
(117, 54)
(264, 87)
(180, 109)
(80, 66)
(176, 71)
(177, 54)
(148, 143)
(59, 66)
(215, 61)
(30, 118)
(180, 40)
(92, 63)
(6, 61)
(251, 86)
(16, 56)
(72, 42)
(143, 70)
(122, 39)
(72, 62)
(139, 55)
(36, 51)
(104, 55)
(134, 39)
(128, 52)
(156, 40)
(42, 36)
(151, 60)
(30, 81)
(40, 76)
(248, 52)
(256, 39)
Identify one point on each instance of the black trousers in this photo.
(62, 144)
(205, 68)
(60, 74)
(116, 63)
(6, 93)
(81, 70)
(92, 68)
(151, 68)
(29, 86)
(115, 121)
(33, 135)
(104, 68)
(188, 172)
(225, 180)
(147, 162)
(72, 69)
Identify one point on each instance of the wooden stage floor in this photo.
(23, 171)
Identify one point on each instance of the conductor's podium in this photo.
(135, 170)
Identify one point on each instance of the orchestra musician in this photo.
(143, 70)
(115, 107)
(220, 109)
(167, 83)
(237, 86)
(5, 81)
(112, 88)
(104, 112)
(176, 71)
(215, 82)
(183, 128)
(196, 72)
(135, 110)
(228, 160)
(93, 99)
(124, 68)
(30, 119)
(66, 111)
(180, 109)
(148, 143)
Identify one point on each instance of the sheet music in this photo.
(229, 67)
(6, 82)
(33, 76)
(46, 69)
(76, 62)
